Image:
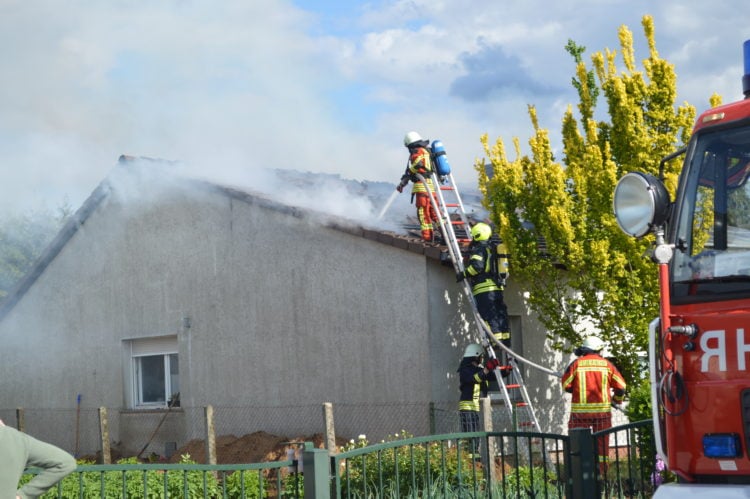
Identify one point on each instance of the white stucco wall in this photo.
(270, 308)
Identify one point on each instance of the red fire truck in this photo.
(699, 347)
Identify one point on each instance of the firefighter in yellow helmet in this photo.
(487, 282)
(420, 163)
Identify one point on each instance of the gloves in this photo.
(402, 184)
(460, 276)
(492, 364)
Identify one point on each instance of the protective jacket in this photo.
(420, 162)
(473, 384)
(589, 379)
(479, 269)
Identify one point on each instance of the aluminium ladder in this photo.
(454, 222)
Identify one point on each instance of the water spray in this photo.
(388, 204)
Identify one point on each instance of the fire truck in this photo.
(699, 346)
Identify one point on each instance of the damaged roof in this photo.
(405, 241)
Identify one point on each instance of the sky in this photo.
(234, 87)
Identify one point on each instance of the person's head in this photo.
(481, 232)
(412, 138)
(592, 344)
(473, 351)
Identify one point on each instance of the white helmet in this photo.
(473, 350)
(593, 343)
(411, 137)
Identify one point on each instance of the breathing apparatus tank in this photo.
(442, 167)
(502, 259)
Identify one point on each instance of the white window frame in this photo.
(140, 348)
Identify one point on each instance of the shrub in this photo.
(249, 480)
(403, 471)
(134, 484)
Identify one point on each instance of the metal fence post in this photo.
(583, 463)
(432, 418)
(20, 420)
(316, 464)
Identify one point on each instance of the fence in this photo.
(162, 434)
(458, 465)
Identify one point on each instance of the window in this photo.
(155, 372)
(712, 233)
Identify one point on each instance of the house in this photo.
(162, 285)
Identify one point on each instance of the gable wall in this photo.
(269, 307)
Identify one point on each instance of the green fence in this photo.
(456, 465)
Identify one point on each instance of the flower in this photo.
(657, 477)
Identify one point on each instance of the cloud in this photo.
(234, 87)
(491, 71)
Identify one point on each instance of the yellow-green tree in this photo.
(556, 217)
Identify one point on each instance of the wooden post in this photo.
(330, 431)
(491, 442)
(104, 435)
(210, 435)
(20, 420)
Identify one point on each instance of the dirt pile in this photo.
(255, 447)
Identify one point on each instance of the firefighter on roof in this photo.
(487, 282)
(420, 163)
(590, 378)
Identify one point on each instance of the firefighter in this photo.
(473, 380)
(420, 163)
(486, 283)
(590, 379)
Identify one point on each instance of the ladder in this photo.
(456, 231)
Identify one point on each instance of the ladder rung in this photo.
(526, 423)
(522, 404)
(514, 385)
(446, 188)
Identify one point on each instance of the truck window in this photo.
(713, 218)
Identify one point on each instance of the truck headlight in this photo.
(640, 203)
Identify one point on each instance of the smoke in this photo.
(142, 181)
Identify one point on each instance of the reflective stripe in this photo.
(485, 287)
(590, 379)
(473, 404)
(419, 186)
(487, 283)
(589, 408)
(417, 161)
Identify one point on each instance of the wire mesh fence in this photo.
(166, 434)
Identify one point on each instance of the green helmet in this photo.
(481, 232)
(473, 350)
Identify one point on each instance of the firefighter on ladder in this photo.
(473, 378)
(420, 163)
(487, 285)
(590, 378)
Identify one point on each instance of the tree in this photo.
(588, 272)
(23, 237)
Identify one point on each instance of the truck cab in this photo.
(700, 344)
